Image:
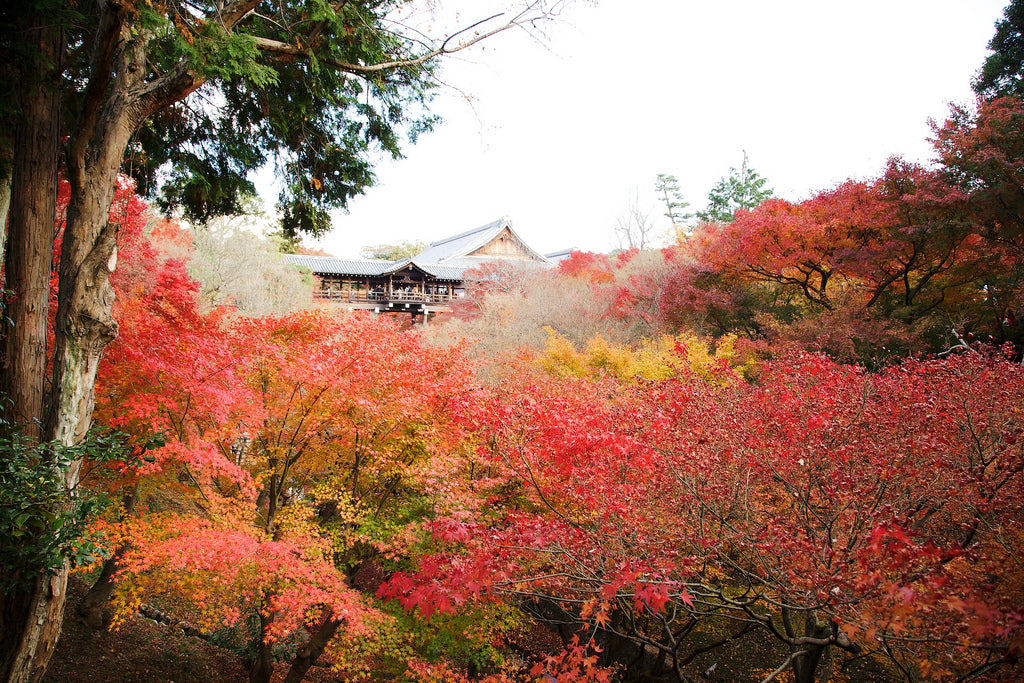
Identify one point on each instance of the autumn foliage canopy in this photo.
(790, 443)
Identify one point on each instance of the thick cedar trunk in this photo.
(5, 205)
(75, 369)
(311, 651)
(32, 621)
(29, 250)
(113, 104)
(84, 324)
(34, 618)
(30, 618)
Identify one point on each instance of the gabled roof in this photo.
(328, 265)
(447, 259)
(439, 272)
(557, 256)
(442, 271)
(464, 244)
(336, 266)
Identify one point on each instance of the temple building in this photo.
(424, 284)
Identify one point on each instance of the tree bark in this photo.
(805, 668)
(94, 604)
(262, 669)
(29, 248)
(30, 618)
(311, 651)
(31, 624)
(112, 106)
(5, 207)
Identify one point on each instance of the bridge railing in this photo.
(399, 296)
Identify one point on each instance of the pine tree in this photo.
(742, 189)
(667, 187)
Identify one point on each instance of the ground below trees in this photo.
(143, 651)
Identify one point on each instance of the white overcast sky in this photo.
(558, 135)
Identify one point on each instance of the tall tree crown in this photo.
(320, 89)
(1003, 70)
(744, 188)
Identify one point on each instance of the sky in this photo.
(562, 134)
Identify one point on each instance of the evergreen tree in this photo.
(1003, 71)
(742, 189)
(667, 187)
(393, 252)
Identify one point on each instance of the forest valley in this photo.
(788, 447)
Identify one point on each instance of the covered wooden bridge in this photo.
(425, 284)
(384, 286)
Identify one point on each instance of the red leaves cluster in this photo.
(887, 502)
(876, 268)
(595, 267)
(269, 425)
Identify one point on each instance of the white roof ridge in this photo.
(488, 226)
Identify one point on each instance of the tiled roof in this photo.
(557, 256)
(337, 266)
(463, 243)
(328, 265)
(445, 260)
(443, 271)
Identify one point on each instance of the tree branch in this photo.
(107, 45)
(282, 48)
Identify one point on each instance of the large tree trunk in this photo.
(30, 618)
(30, 627)
(84, 326)
(805, 669)
(5, 207)
(29, 253)
(110, 108)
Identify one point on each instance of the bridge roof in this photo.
(466, 243)
(446, 259)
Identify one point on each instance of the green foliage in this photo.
(470, 638)
(41, 527)
(742, 189)
(667, 187)
(38, 532)
(1003, 71)
(394, 252)
(319, 122)
(217, 54)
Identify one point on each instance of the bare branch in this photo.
(773, 675)
(523, 18)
